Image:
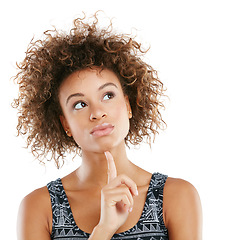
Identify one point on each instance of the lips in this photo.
(102, 129)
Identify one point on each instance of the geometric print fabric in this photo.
(149, 227)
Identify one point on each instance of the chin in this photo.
(105, 146)
(106, 143)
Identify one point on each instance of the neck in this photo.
(94, 167)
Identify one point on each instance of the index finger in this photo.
(112, 171)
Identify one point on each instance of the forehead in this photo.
(86, 78)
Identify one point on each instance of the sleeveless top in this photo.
(149, 227)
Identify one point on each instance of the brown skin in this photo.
(103, 188)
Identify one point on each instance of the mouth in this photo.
(102, 130)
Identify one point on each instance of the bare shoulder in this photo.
(35, 215)
(182, 209)
(180, 188)
(38, 195)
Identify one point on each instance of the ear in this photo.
(129, 109)
(65, 125)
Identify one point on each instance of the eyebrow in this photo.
(82, 95)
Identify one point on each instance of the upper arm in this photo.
(182, 210)
(34, 216)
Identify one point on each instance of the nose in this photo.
(97, 113)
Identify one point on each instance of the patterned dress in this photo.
(149, 227)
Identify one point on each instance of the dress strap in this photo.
(158, 184)
(60, 207)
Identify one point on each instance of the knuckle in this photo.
(126, 191)
(122, 176)
(128, 195)
(126, 200)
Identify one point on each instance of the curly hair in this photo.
(58, 54)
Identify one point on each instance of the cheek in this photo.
(76, 128)
(80, 134)
(121, 115)
(121, 110)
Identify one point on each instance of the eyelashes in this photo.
(109, 95)
(81, 104)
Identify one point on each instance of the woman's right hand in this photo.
(116, 198)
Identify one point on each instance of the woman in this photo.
(89, 92)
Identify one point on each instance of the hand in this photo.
(116, 198)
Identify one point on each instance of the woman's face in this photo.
(95, 110)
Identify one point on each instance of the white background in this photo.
(195, 46)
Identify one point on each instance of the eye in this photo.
(108, 95)
(79, 105)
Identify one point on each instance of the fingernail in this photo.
(130, 209)
(136, 192)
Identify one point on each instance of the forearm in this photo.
(100, 233)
